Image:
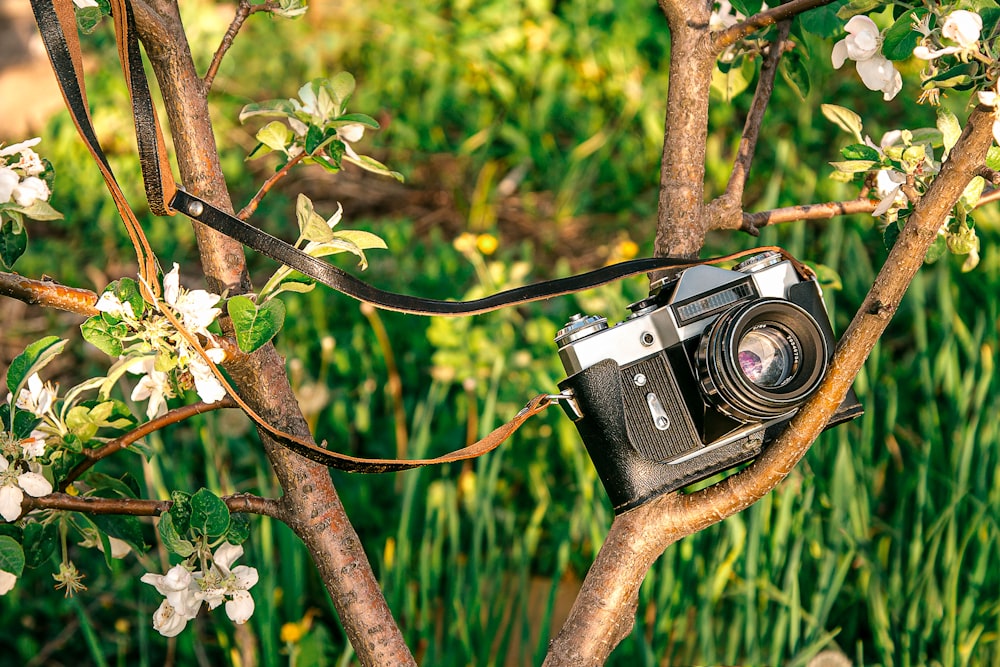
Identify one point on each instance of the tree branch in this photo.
(726, 210)
(637, 538)
(113, 446)
(789, 10)
(252, 205)
(48, 294)
(240, 503)
(755, 221)
(243, 12)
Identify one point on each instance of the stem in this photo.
(730, 36)
(243, 10)
(755, 221)
(268, 184)
(173, 417)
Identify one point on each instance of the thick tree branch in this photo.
(241, 503)
(47, 293)
(637, 538)
(312, 508)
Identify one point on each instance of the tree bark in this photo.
(310, 502)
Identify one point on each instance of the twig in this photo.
(172, 417)
(241, 503)
(807, 212)
(789, 10)
(268, 184)
(727, 206)
(48, 293)
(243, 12)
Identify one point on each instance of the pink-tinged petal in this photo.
(839, 56)
(886, 203)
(171, 284)
(8, 181)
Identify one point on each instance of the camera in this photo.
(700, 376)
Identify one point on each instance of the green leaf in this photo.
(854, 166)
(32, 360)
(239, 529)
(860, 152)
(900, 39)
(171, 537)
(891, 233)
(727, 85)
(795, 73)
(11, 556)
(823, 21)
(950, 128)
(359, 118)
(12, 243)
(312, 226)
(40, 542)
(180, 510)
(855, 7)
(844, 118)
(993, 158)
(955, 77)
(79, 423)
(341, 88)
(281, 108)
(39, 210)
(103, 483)
(127, 291)
(88, 18)
(209, 515)
(255, 325)
(104, 335)
(275, 135)
(937, 250)
(747, 7)
(122, 526)
(376, 167)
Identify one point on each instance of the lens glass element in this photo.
(767, 356)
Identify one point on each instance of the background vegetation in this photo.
(539, 125)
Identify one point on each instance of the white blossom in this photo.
(8, 181)
(180, 603)
(195, 307)
(7, 581)
(13, 486)
(221, 582)
(207, 386)
(349, 134)
(111, 304)
(37, 397)
(154, 385)
(963, 27)
(30, 190)
(83, 4)
(14, 149)
(34, 445)
(862, 45)
(924, 52)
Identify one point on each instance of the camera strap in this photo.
(56, 21)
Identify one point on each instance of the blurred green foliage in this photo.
(883, 542)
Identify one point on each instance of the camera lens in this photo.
(767, 356)
(761, 360)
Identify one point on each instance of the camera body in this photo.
(699, 378)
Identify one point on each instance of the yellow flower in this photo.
(465, 242)
(487, 244)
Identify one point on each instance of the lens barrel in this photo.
(761, 360)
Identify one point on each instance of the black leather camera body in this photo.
(702, 375)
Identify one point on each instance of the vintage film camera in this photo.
(702, 375)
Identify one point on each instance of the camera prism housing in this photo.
(700, 377)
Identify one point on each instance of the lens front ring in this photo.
(761, 360)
